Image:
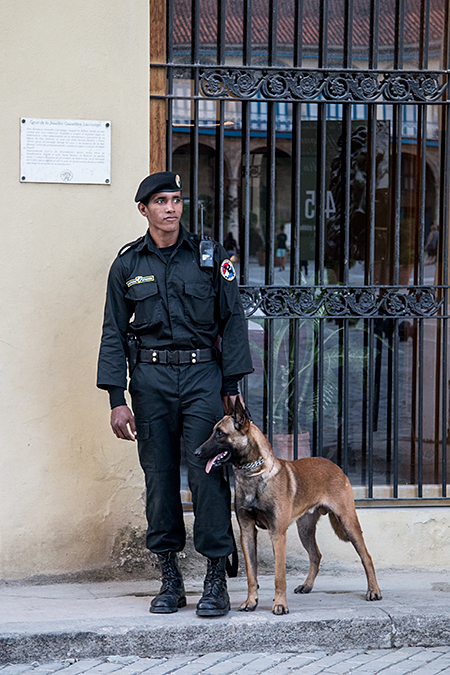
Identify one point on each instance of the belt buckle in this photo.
(172, 358)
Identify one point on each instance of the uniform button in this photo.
(154, 360)
(154, 354)
(194, 355)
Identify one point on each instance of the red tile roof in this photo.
(311, 27)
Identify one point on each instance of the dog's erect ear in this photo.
(228, 406)
(241, 419)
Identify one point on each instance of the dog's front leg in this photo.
(279, 550)
(249, 547)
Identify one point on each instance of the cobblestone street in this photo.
(423, 661)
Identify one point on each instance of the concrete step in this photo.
(58, 621)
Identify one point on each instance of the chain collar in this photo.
(251, 465)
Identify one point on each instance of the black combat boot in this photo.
(171, 595)
(215, 600)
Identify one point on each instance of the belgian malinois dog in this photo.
(271, 493)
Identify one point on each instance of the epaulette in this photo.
(132, 244)
(194, 238)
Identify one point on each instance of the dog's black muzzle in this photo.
(216, 454)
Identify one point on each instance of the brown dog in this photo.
(271, 493)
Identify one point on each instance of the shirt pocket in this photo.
(199, 302)
(147, 304)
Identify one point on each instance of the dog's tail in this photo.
(337, 527)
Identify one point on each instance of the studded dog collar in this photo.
(251, 465)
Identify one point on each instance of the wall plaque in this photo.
(65, 151)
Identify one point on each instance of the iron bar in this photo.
(270, 369)
(271, 194)
(374, 33)
(244, 230)
(444, 252)
(394, 379)
(295, 271)
(323, 34)
(219, 194)
(370, 399)
(194, 163)
(320, 69)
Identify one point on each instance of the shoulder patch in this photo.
(127, 247)
(227, 270)
(139, 280)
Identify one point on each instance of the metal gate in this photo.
(315, 134)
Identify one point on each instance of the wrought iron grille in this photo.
(316, 133)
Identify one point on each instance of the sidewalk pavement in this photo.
(402, 661)
(92, 620)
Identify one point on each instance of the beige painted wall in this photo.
(66, 484)
(395, 537)
(403, 538)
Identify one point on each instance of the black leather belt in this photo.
(177, 356)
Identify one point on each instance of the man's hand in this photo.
(122, 423)
(233, 400)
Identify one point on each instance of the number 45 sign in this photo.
(310, 204)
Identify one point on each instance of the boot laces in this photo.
(215, 577)
(171, 576)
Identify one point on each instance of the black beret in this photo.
(164, 181)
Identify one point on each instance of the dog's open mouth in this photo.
(217, 460)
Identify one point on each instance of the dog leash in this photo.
(232, 567)
(247, 410)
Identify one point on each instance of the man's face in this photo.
(163, 212)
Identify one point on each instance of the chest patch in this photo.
(227, 270)
(140, 280)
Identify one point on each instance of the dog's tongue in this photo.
(210, 463)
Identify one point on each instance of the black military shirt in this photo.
(171, 304)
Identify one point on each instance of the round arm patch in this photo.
(227, 270)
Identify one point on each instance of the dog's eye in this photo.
(219, 433)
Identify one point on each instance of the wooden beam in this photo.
(157, 86)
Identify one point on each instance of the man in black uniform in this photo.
(165, 310)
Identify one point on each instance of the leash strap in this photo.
(233, 566)
(247, 410)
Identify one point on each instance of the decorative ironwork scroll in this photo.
(308, 85)
(340, 301)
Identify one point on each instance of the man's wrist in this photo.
(230, 386)
(116, 397)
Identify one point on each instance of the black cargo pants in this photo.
(170, 401)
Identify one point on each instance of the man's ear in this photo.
(142, 209)
(241, 419)
(228, 406)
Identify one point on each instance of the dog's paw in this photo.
(303, 588)
(280, 609)
(373, 595)
(248, 606)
